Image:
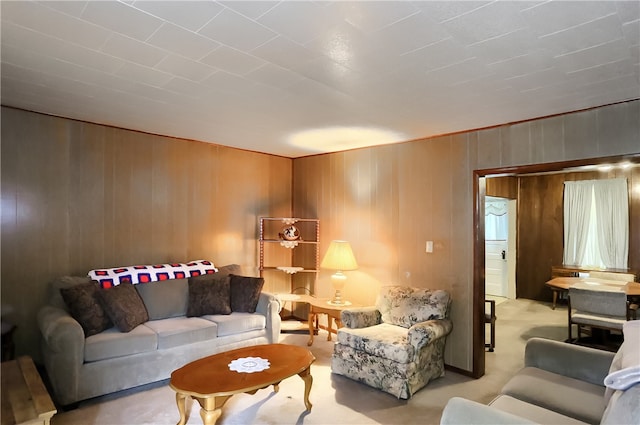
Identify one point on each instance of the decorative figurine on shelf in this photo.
(290, 233)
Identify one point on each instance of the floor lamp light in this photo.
(339, 257)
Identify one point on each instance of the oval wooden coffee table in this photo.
(211, 381)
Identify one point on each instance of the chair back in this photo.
(608, 301)
(621, 277)
(405, 306)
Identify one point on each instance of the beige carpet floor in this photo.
(338, 400)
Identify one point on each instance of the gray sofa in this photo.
(560, 384)
(82, 367)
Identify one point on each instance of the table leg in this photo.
(555, 299)
(308, 381)
(310, 319)
(211, 408)
(181, 401)
(329, 326)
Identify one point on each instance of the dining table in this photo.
(560, 286)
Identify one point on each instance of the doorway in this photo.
(479, 192)
(500, 247)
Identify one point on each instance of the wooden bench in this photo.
(25, 399)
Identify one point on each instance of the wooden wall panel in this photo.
(388, 201)
(539, 234)
(503, 187)
(78, 196)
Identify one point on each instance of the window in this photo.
(596, 223)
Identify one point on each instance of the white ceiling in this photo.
(275, 77)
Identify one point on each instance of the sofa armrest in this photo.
(360, 317)
(462, 411)
(269, 306)
(575, 361)
(424, 333)
(63, 351)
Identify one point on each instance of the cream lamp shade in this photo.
(339, 257)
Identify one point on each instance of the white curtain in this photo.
(596, 223)
(496, 220)
(612, 208)
(578, 196)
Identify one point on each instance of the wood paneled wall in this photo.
(78, 196)
(540, 224)
(389, 200)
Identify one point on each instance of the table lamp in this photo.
(339, 257)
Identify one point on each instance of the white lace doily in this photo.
(290, 270)
(249, 364)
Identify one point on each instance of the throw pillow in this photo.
(124, 306)
(208, 294)
(165, 298)
(55, 297)
(84, 306)
(222, 271)
(245, 293)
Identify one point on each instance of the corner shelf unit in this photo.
(290, 266)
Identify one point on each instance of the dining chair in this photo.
(598, 307)
(620, 277)
(490, 318)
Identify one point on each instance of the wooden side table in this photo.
(25, 399)
(319, 306)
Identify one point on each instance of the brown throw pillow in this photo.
(84, 306)
(209, 294)
(245, 293)
(124, 306)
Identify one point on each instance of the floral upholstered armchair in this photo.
(398, 345)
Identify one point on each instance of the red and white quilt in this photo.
(151, 273)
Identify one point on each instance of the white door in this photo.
(496, 268)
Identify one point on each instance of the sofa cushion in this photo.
(84, 305)
(245, 292)
(113, 343)
(179, 331)
(166, 298)
(124, 306)
(237, 322)
(209, 295)
(530, 411)
(405, 306)
(571, 397)
(383, 340)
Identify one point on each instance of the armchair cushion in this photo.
(405, 306)
(384, 340)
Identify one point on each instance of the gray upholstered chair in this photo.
(396, 346)
(597, 307)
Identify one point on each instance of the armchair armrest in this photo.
(462, 411)
(424, 333)
(575, 361)
(360, 317)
